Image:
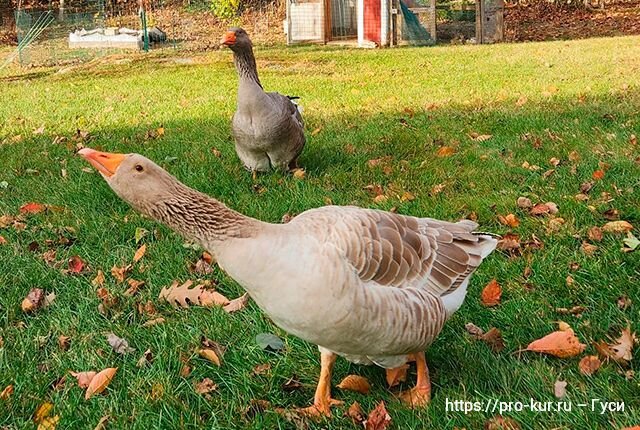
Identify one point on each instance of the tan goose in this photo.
(267, 127)
(368, 285)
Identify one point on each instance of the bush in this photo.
(225, 9)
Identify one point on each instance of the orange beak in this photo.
(229, 38)
(104, 162)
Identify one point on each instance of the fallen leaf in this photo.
(64, 342)
(396, 376)
(407, 197)
(76, 265)
(524, 203)
(555, 162)
(509, 220)
(595, 234)
(501, 423)
(624, 302)
(633, 140)
(622, 348)
(210, 354)
(475, 331)
(7, 392)
(140, 253)
(356, 383)
(480, 137)
(576, 310)
(118, 344)
(98, 281)
(291, 385)
(445, 151)
(102, 424)
(183, 296)
(134, 286)
(49, 423)
(237, 304)
(299, 173)
(205, 386)
(153, 322)
(84, 378)
(540, 209)
(597, 175)
(560, 389)
(42, 412)
(140, 233)
(256, 407)
(356, 414)
(3, 241)
(120, 273)
(147, 358)
(631, 243)
(617, 227)
(32, 208)
(522, 100)
(33, 301)
(588, 248)
(378, 418)
(39, 130)
(261, 369)
(561, 344)
(269, 341)
(589, 365)
(437, 189)
(100, 381)
(210, 298)
(380, 199)
(491, 294)
(493, 338)
(510, 243)
(611, 214)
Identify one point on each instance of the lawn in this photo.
(577, 102)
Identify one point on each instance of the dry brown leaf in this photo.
(407, 197)
(7, 392)
(493, 338)
(261, 369)
(118, 344)
(64, 342)
(237, 304)
(134, 286)
(356, 414)
(480, 137)
(33, 301)
(589, 365)
(153, 322)
(356, 383)
(299, 173)
(563, 326)
(120, 273)
(140, 253)
(491, 294)
(210, 298)
(623, 346)
(561, 344)
(560, 389)
(84, 378)
(617, 227)
(205, 386)
(76, 265)
(380, 199)
(588, 248)
(445, 151)
(522, 100)
(98, 281)
(100, 382)
(510, 243)
(147, 358)
(595, 234)
(524, 203)
(378, 419)
(102, 424)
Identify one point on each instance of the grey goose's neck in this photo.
(246, 66)
(202, 218)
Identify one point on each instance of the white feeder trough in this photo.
(123, 38)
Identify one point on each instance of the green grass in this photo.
(362, 105)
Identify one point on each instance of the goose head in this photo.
(237, 39)
(134, 178)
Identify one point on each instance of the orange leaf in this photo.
(445, 151)
(356, 383)
(589, 365)
(211, 298)
(617, 227)
(356, 413)
(561, 344)
(84, 378)
(237, 303)
(139, 253)
(509, 220)
(491, 294)
(210, 355)
(7, 392)
(100, 382)
(32, 208)
(597, 175)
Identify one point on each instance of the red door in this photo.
(372, 20)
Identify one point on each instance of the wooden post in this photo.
(327, 21)
(432, 20)
(395, 9)
(288, 20)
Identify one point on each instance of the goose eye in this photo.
(139, 168)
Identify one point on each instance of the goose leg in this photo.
(322, 400)
(420, 395)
